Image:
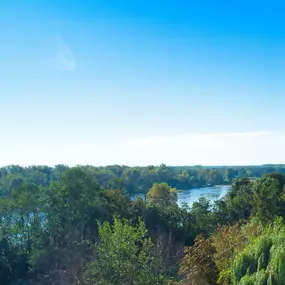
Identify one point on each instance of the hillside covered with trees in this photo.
(78, 225)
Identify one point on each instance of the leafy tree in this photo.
(266, 198)
(227, 241)
(8, 183)
(117, 183)
(20, 227)
(13, 260)
(162, 194)
(71, 207)
(124, 256)
(197, 266)
(73, 203)
(138, 208)
(202, 215)
(229, 174)
(239, 200)
(263, 259)
(280, 178)
(222, 214)
(118, 203)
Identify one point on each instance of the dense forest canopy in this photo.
(78, 225)
(136, 179)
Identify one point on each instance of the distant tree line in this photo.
(136, 179)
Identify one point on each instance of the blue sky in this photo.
(142, 82)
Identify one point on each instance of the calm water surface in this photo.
(193, 195)
(210, 193)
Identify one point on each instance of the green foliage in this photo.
(20, 226)
(197, 265)
(239, 199)
(266, 195)
(125, 255)
(162, 194)
(72, 204)
(202, 216)
(227, 241)
(263, 259)
(136, 179)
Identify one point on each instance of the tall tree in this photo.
(227, 241)
(162, 194)
(197, 266)
(266, 198)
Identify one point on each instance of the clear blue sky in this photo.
(142, 82)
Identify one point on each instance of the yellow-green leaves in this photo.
(162, 194)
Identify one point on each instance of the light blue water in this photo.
(210, 193)
(193, 195)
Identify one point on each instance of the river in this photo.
(190, 196)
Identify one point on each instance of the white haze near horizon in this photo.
(248, 148)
